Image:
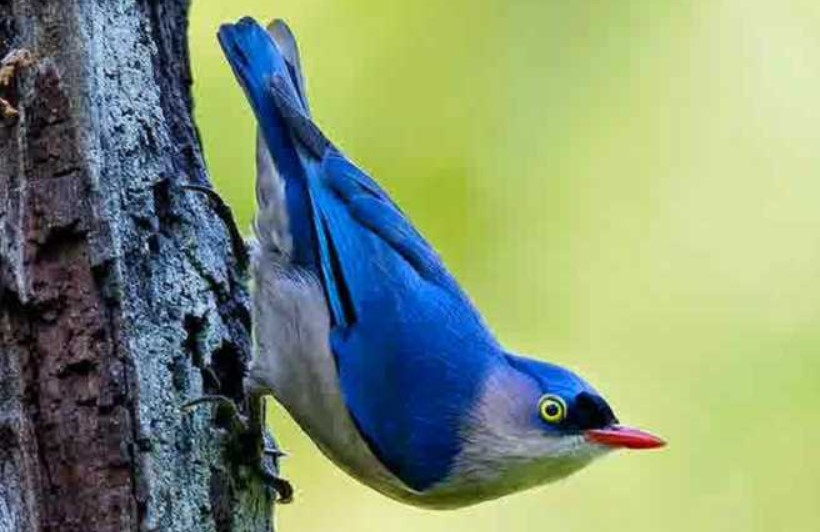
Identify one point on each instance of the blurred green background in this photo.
(629, 188)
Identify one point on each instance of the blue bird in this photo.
(366, 339)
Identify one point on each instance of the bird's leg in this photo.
(270, 472)
(269, 451)
(227, 412)
(253, 445)
(251, 439)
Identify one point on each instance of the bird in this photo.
(365, 338)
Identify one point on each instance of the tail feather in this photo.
(257, 64)
(286, 43)
(273, 82)
(271, 221)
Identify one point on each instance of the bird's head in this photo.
(569, 407)
(537, 422)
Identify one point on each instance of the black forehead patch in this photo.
(590, 411)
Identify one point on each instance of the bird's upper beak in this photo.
(618, 436)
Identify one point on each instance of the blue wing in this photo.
(412, 363)
(411, 350)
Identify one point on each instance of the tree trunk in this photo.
(122, 294)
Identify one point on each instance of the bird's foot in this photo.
(270, 472)
(227, 412)
(281, 486)
(251, 439)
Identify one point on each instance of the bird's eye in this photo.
(553, 409)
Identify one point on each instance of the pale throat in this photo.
(504, 445)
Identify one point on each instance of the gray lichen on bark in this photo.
(122, 294)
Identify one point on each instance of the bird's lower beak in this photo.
(623, 437)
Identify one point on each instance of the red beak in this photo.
(626, 437)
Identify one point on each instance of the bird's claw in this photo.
(227, 410)
(268, 454)
(220, 400)
(275, 453)
(270, 475)
(224, 213)
(282, 487)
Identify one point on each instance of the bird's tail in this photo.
(266, 63)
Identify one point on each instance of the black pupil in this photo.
(552, 410)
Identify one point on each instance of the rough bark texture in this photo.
(121, 296)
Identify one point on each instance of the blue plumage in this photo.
(255, 60)
(415, 363)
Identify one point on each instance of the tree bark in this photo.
(122, 294)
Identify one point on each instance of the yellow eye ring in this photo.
(553, 409)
